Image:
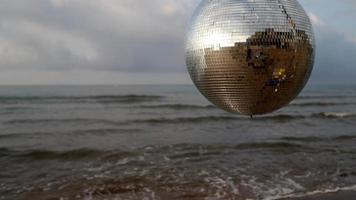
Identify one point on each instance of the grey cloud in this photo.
(335, 52)
(127, 35)
(335, 58)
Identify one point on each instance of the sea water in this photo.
(168, 142)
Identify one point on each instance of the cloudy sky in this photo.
(138, 41)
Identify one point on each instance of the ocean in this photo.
(168, 142)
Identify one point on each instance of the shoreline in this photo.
(348, 193)
(342, 195)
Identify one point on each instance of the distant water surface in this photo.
(168, 142)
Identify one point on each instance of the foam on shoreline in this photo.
(345, 193)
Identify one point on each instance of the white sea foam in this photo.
(312, 193)
(338, 114)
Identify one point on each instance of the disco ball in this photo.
(250, 56)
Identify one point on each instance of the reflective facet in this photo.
(250, 56)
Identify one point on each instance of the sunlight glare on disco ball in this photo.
(250, 56)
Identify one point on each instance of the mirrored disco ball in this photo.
(250, 56)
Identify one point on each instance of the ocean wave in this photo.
(185, 120)
(50, 155)
(4, 152)
(326, 96)
(193, 152)
(106, 131)
(81, 132)
(282, 118)
(346, 137)
(322, 115)
(60, 121)
(177, 151)
(4, 110)
(279, 118)
(7, 136)
(178, 107)
(270, 145)
(303, 139)
(221, 173)
(319, 139)
(335, 115)
(69, 155)
(321, 104)
(78, 154)
(128, 99)
(16, 108)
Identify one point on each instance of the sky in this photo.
(139, 41)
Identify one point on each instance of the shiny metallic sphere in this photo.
(250, 56)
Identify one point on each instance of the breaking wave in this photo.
(282, 118)
(79, 154)
(319, 139)
(320, 104)
(178, 107)
(326, 96)
(70, 155)
(269, 145)
(185, 120)
(335, 115)
(98, 131)
(316, 193)
(277, 118)
(179, 151)
(59, 121)
(127, 99)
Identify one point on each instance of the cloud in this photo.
(135, 36)
(89, 77)
(335, 53)
(316, 20)
(29, 44)
(125, 35)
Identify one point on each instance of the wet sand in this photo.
(342, 195)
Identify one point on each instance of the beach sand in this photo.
(342, 195)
